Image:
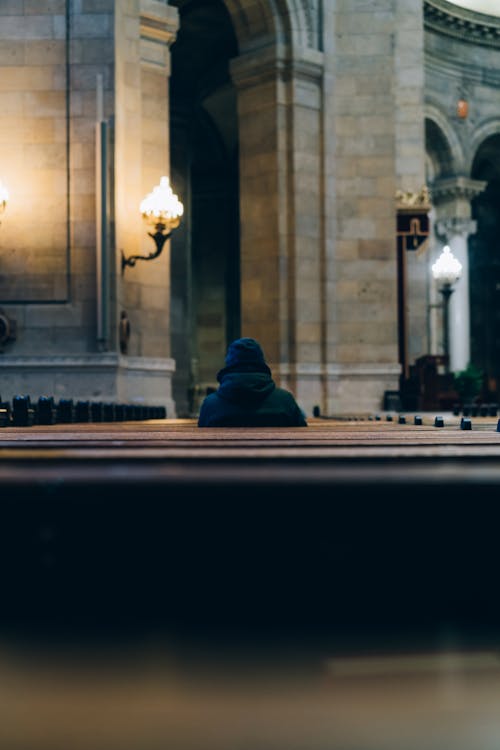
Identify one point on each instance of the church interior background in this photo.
(325, 152)
(287, 129)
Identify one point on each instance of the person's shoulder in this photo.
(287, 399)
(208, 405)
(211, 397)
(283, 393)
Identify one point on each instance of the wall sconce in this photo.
(4, 197)
(163, 209)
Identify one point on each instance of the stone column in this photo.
(371, 161)
(182, 332)
(452, 198)
(281, 194)
(144, 31)
(457, 232)
(261, 240)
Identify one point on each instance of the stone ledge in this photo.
(105, 377)
(147, 364)
(91, 361)
(339, 370)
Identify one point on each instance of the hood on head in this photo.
(244, 351)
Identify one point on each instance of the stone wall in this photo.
(410, 164)
(368, 143)
(52, 55)
(142, 157)
(330, 125)
(326, 138)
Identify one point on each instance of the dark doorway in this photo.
(204, 158)
(484, 259)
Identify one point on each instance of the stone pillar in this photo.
(281, 194)
(144, 31)
(371, 162)
(452, 198)
(457, 233)
(261, 239)
(409, 132)
(182, 330)
(48, 162)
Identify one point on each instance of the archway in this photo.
(205, 300)
(266, 151)
(444, 151)
(484, 258)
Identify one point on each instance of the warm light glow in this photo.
(447, 269)
(162, 205)
(462, 109)
(4, 196)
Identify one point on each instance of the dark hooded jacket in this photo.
(247, 395)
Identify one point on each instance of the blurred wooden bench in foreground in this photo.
(345, 529)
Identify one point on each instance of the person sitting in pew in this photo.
(247, 395)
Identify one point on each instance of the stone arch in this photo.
(275, 71)
(442, 144)
(480, 135)
(483, 252)
(291, 23)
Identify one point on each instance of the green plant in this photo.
(468, 382)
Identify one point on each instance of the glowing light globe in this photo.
(447, 269)
(162, 206)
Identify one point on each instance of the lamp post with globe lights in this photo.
(447, 270)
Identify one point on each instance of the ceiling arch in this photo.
(442, 144)
(485, 143)
(292, 23)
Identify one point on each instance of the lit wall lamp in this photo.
(4, 197)
(163, 209)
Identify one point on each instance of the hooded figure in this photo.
(247, 395)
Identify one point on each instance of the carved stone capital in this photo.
(456, 188)
(159, 22)
(158, 26)
(455, 226)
